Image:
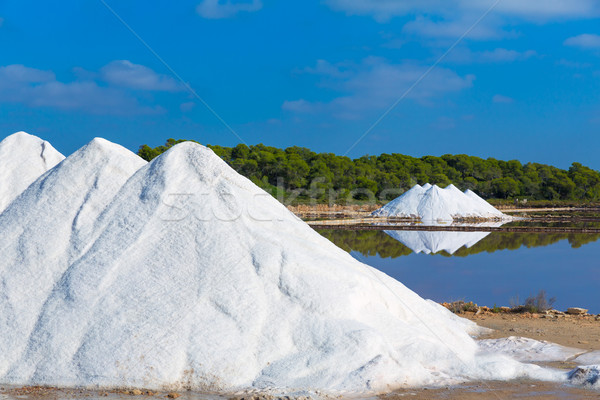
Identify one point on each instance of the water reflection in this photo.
(434, 242)
(565, 265)
(393, 244)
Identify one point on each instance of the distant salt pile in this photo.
(433, 204)
(428, 242)
(180, 273)
(23, 158)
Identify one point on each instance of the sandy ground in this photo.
(580, 332)
(571, 331)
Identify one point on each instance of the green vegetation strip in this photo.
(297, 175)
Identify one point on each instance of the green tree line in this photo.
(298, 173)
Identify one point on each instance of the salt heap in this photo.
(187, 275)
(47, 229)
(484, 207)
(432, 204)
(435, 241)
(405, 206)
(23, 158)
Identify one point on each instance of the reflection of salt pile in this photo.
(185, 274)
(435, 241)
(23, 158)
(432, 204)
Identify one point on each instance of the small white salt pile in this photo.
(530, 350)
(432, 204)
(436, 241)
(23, 158)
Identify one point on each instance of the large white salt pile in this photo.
(435, 241)
(432, 204)
(190, 276)
(47, 229)
(23, 158)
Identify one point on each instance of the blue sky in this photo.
(523, 83)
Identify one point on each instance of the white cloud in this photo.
(374, 84)
(187, 106)
(18, 73)
(542, 10)
(498, 55)
(499, 99)
(490, 28)
(536, 10)
(384, 10)
(452, 18)
(38, 88)
(444, 123)
(125, 74)
(573, 64)
(216, 9)
(301, 106)
(505, 55)
(584, 41)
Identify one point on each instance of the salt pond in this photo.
(495, 270)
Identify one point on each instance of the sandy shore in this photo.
(570, 331)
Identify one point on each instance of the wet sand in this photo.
(498, 390)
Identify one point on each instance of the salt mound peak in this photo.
(23, 158)
(404, 206)
(46, 229)
(193, 277)
(432, 204)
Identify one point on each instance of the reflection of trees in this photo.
(367, 243)
(371, 243)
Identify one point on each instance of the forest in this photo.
(297, 175)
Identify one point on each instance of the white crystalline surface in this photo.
(526, 349)
(180, 273)
(46, 230)
(433, 242)
(23, 158)
(406, 206)
(483, 206)
(591, 358)
(432, 204)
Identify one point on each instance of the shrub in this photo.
(534, 304)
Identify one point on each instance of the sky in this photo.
(509, 79)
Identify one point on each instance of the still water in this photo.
(487, 268)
